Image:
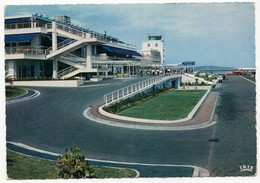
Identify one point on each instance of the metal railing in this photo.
(73, 57)
(60, 45)
(23, 50)
(134, 88)
(98, 57)
(85, 34)
(66, 71)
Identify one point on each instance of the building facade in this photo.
(154, 48)
(37, 47)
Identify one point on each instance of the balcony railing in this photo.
(105, 58)
(24, 50)
(89, 34)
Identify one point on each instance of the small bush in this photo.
(72, 165)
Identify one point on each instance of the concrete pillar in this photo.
(129, 71)
(54, 36)
(37, 69)
(32, 24)
(106, 73)
(89, 56)
(55, 69)
(12, 69)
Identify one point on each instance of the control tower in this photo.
(154, 43)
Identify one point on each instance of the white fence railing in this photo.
(60, 45)
(66, 71)
(134, 88)
(90, 34)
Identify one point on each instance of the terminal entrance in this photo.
(26, 71)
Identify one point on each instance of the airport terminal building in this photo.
(37, 47)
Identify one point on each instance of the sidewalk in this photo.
(203, 115)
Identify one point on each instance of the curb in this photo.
(19, 96)
(198, 171)
(35, 94)
(124, 118)
(89, 116)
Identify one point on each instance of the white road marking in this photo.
(198, 171)
(36, 94)
(248, 79)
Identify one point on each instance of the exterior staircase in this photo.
(73, 60)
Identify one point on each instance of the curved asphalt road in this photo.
(54, 121)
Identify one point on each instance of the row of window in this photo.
(18, 44)
(23, 25)
(156, 45)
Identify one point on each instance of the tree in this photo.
(72, 165)
(8, 78)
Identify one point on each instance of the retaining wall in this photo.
(50, 83)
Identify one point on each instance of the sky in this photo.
(212, 34)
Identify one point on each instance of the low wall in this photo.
(50, 83)
(194, 88)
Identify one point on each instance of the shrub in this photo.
(8, 79)
(72, 165)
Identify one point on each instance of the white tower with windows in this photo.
(154, 43)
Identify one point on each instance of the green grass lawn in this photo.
(11, 92)
(25, 167)
(175, 104)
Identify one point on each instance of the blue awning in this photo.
(20, 37)
(17, 20)
(121, 51)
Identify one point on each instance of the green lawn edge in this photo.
(25, 167)
(173, 105)
(12, 92)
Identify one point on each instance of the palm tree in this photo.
(8, 78)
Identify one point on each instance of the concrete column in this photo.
(54, 36)
(37, 69)
(129, 71)
(12, 69)
(89, 56)
(54, 69)
(106, 72)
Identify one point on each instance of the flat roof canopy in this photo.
(20, 37)
(121, 51)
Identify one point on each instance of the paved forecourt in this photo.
(53, 121)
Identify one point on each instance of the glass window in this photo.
(6, 67)
(10, 26)
(24, 43)
(148, 45)
(156, 44)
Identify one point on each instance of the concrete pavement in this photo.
(54, 121)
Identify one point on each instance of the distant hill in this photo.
(214, 68)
